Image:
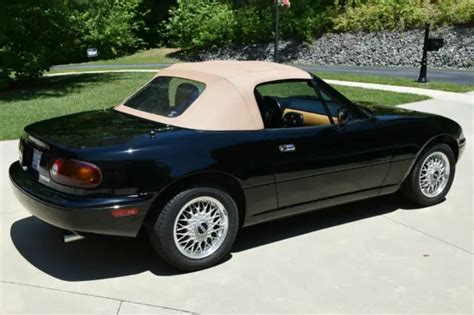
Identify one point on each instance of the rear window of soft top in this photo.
(166, 96)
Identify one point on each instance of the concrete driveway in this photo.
(376, 256)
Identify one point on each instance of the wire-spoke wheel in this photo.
(431, 177)
(200, 227)
(196, 228)
(434, 174)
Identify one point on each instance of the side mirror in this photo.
(293, 119)
(342, 116)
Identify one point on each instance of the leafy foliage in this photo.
(35, 34)
(200, 24)
(150, 15)
(373, 15)
(253, 24)
(307, 18)
(32, 34)
(454, 11)
(108, 25)
(210, 23)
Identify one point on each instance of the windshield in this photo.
(166, 96)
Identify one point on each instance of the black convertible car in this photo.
(206, 148)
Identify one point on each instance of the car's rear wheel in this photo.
(196, 228)
(431, 177)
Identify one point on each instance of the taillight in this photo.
(75, 173)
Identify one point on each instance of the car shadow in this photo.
(266, 233)
(109, 257)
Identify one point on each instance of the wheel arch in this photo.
(216, 179)
(438, 139)
(442, 139)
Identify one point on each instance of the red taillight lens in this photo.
(75, 173)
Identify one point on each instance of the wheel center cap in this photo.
(202, 228)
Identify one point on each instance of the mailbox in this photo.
(434, 44)
(429, 44)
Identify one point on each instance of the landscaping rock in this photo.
(384, 48)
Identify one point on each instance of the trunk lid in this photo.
(94, 136)
(92, 129)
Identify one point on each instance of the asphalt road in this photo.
(442, 75)
(376, 256)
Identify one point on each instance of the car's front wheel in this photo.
(196, 228)
(431, 177)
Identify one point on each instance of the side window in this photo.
(335, 101)
(290, 104)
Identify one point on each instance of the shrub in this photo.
(32, 36)
(200, 24)
(108, 25)
(454, 12)
(373, 15)
(306, 18)
(253, 24)
(207, 23)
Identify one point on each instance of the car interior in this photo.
(294, 110)
(186, 93)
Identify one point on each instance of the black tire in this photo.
(411, 187)
(162, 233)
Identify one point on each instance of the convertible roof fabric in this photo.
(228, 102)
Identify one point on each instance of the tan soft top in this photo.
(228, 101)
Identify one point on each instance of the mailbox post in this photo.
(429, 44)
(424, 60)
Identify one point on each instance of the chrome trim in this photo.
(287, 147)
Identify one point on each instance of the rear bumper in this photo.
(81, 214)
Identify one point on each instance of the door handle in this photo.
(287, 147)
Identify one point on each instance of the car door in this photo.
(322, 158)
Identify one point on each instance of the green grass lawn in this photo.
(53, 71)
(377, 97)
(156, 55)
(368, 78)
(56, 96)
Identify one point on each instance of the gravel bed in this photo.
(384, 48)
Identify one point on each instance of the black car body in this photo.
(270, 173)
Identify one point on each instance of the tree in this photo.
(108, 25)
(32, 35)
(35, 34)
